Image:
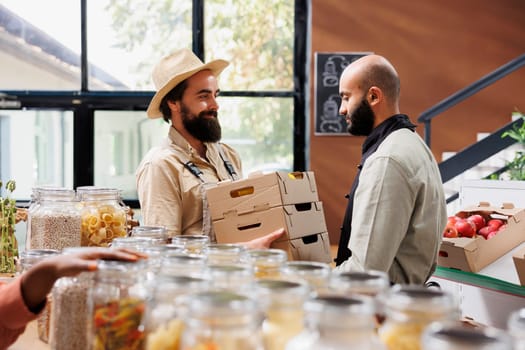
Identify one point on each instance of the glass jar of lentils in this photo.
(55, 222)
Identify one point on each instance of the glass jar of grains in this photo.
(103, 216)
(28, 259)
(70, 317)
(55, 221)
(316, 274)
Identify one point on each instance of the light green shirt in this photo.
(399, 211)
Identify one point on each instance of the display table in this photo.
(488, 296)
(29, 340)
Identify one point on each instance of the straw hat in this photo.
(173, 69)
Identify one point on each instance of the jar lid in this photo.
(370, 282)
(454, 334)
(267, 255)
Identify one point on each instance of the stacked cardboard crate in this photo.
(473, 254)
(246, 209)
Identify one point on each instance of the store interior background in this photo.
(438, 48)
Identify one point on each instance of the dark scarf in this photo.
(372, 142)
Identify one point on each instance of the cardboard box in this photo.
(309, 248)
(260, 192)
(299, 220)
(519, 263)
(473, 254)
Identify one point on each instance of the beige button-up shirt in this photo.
(169, 194)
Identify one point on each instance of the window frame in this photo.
(84, 103)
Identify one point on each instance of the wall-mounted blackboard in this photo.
(328, 69)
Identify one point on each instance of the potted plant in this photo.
(516, 167)
(8, 243)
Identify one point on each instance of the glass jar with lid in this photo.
(157, 234)
(452, 335)
(221, 320)
(516, 328)
(54, 220)
(116, 306)
(267, 263)
(183, 264)
(193, 244)
(316, 274)
(103, 216)
(70, 316)
(337, 322)
(234, 277)
(28, 259)
(282, 302)
(409, 309)
(224, 253)
(165, 307)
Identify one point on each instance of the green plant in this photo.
(8, 243)
(516, 167)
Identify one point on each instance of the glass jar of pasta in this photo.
(267, 263)
(28, 258)
(338, 322)
(103, 216)
(165, 307)
(282, 302)
(116, 305)
(409, 309)
(221, 320)
(54, 220)
(451, 335)
(193, 244)
(176, 263)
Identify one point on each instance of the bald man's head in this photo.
(375, 70)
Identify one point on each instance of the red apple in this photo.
(450, 232)
(451, 220)
(478, 220)
(465, 228)
(496, 223)
(485, 231)
(492, 234)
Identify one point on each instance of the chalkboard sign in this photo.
(328, 69)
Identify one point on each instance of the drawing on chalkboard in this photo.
(329, 67)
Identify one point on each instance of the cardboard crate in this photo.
(299, 220)
(473, 254)
(519, 263)
(261, 191)
(309, 248)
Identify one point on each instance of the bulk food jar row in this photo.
(192, 294)
(206, 296)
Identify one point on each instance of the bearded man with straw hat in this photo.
(171, 178)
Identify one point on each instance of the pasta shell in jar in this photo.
(103, 216)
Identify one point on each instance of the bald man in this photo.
(396, 209)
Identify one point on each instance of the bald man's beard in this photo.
(204, 127)
(361, 120)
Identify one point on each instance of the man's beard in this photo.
(204, 127)
(362, 120)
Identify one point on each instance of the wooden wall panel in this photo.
(438, 47)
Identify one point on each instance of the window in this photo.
(83, 118)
